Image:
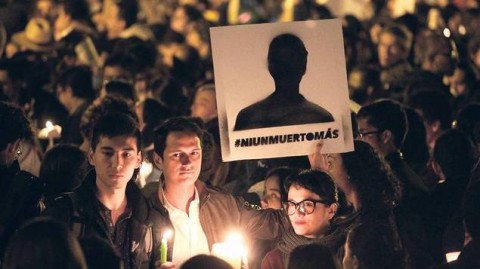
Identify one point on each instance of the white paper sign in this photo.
(262, 117)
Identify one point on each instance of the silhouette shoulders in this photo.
(276, 111)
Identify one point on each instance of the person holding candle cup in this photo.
(198, 215)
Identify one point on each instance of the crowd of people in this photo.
(110, 148)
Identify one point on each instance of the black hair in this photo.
(79, 79)
(127, 10)
(63, 169)
(317, 182)
(455, 153)
(312, 256)
(175, 124)
(374, 246)
(115, 124)
(468, 120)
(283, 173)
(433, 104)
(386, 114)
(96, 110)
(77, 9)
(13, 124)
(44, 243)
(122, 89)
(372, 180)
(205, 262)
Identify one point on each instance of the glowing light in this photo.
(49, 125)
(446, 32)
(462, 30)
(232, 250)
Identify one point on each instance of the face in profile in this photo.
(312, 216)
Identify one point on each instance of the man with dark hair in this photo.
(287, 63)
(121, 21)
(109, 204)
(20, 191)
(198, 215)
(75, 92)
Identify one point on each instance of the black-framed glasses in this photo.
(362, 134)
(306, 206)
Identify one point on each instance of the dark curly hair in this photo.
(376, 187)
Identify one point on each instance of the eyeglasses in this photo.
(306, 206)
(362, 135)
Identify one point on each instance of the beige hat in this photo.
(37, 36)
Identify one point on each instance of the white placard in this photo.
(242, 78)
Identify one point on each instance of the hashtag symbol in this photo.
(237, 143)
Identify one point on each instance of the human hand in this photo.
(165, 265)
(318, 161)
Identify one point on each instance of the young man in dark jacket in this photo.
(109, 204)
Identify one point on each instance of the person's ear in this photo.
(91, 158)
(332, 210)
(139, 159)
(386, 137)
(158, 161)
(13, 146)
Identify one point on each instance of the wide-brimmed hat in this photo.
(37, 36)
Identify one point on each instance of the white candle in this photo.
(232, 251)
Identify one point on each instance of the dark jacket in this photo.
(20, 194)
(220, 214)
(81, 210)
(468, 259)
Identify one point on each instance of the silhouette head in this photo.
(287, 57)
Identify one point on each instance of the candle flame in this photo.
(167, 234)
(49, 124)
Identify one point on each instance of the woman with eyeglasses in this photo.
(311, 205)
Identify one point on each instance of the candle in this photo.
(164, 247)
(50, 128)
(232, 251)
(163, 250)
(49, 125)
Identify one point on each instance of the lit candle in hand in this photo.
(164, 247)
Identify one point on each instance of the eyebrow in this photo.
(110, 148)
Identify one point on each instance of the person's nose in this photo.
(185, 159)
(300, 211)
(117, 161)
